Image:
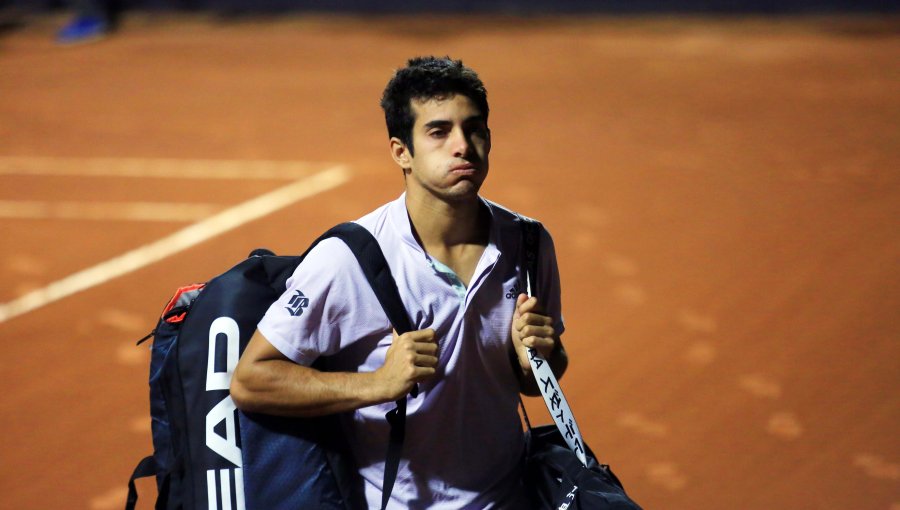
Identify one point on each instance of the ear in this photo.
(400, 153)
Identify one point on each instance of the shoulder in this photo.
(331, 263)
(333, 259)
(501, 214)
(328, 252)
(384, 217)
(509, 223)
(374, 220)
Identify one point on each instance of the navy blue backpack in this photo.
(207, 454)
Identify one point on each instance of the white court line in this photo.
(181, 240)
(107, 211)
(156, 168)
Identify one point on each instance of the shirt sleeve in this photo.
(549, 285)
(302, 322)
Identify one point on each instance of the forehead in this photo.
(455, 107)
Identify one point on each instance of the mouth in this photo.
(464, 169)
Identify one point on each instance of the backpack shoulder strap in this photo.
(531, 239)
(370, 257)
(543, 375)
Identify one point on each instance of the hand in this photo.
(531, 329)
(411, 358)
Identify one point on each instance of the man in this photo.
(457, 261)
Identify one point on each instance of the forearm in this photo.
(559, 362)
(281, 387)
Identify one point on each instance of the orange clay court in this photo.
(724, 195)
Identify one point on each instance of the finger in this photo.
(538, 342)
(536, 307)
(532, 306)
(525, 305)
(422, 335)
(519, 301)
(537, 331)
(423, 360)
(427, 336)
(544, 346)
(423, 373)
(428, 348)
(535, 319)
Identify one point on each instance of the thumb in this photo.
(519, 302)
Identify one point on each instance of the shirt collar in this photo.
(399, 218)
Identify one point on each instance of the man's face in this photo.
(451, 142)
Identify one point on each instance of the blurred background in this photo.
(721, 179)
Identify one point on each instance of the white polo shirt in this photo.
(464, 440)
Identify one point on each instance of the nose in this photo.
(459, 143)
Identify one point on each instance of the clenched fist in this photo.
(530, 328)
(411, 358)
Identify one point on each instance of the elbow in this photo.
(241, 394)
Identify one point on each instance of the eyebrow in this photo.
(444, 123)
(437, 123)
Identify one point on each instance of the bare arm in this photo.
(266, 381)
(530, 328)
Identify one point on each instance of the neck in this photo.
(439, 223)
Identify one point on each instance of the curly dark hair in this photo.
(426, 78)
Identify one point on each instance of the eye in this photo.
(437, 133)
(477, 129)
(480, 133)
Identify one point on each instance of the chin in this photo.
(466, 190)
